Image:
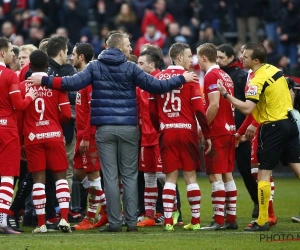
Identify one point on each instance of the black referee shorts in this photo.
(278, 141)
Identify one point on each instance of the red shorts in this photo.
(254, 146)
(90, 161)
(150, 160)
(220, 159)
(9, 153)
(180, 151)
(51, 155)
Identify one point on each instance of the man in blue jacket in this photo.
(114, 112)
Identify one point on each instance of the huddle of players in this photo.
(170, 131)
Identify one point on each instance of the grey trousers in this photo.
(118, 152)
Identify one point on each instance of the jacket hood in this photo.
(112, 56)
(235, 63)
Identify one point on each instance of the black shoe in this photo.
(231, 226)
(255, 211)
(132, 229)
(110, 229)
(74, 217)
(51, 227)
(296, 219)
(255, 227)
(213, 226)
(13, 223)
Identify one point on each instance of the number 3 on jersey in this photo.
(39, 104)
(172, 102)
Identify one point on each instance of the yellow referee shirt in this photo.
(269, 90)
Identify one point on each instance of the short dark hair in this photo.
(4, 43)
(177, 49)
(38, 61)
(209, 50)
(16, 50)
(259, 51)
(85, 49)
(55, 45)
(227, 49)
(152, 55)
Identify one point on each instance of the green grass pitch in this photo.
(286, 204)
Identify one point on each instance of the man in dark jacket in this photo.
(234, 68)
(57, 58)
(114, 112)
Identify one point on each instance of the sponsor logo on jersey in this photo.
(3, 122)
(175, 125)
(48, 135)
(252, 90)
(230, 127)
(42, 90)
(213, 86)
(166, 75)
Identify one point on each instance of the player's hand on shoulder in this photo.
(191, 77)
(220, 86)
(35, 80)
(33, 94)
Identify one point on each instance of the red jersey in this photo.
(149, 134)
(9, 94)
(41, 120)
(83, 110)
(177, 108)
(223, 123)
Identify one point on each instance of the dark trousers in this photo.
(243, 162)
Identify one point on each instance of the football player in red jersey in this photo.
(10, 100)
(220, 161)
(174, 114)
(150, 160)
(86, 159)
(44, 143)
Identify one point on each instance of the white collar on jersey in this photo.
(39, 74)
(2, 64)
(175, 67)
(213, 67)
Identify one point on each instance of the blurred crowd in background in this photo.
(161, 22)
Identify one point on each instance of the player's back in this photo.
(8, 84)
(223, 123)
(175, 107)
(42, 117)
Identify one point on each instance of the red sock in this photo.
(218, 201)
(168, 197)
(39, 202)
(63, 197)
(194, 198)
(150, 198)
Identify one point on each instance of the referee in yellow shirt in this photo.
(268, 99)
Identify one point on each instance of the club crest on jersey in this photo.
(252, 90)
(78, 98)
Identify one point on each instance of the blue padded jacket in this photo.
(114, 81)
